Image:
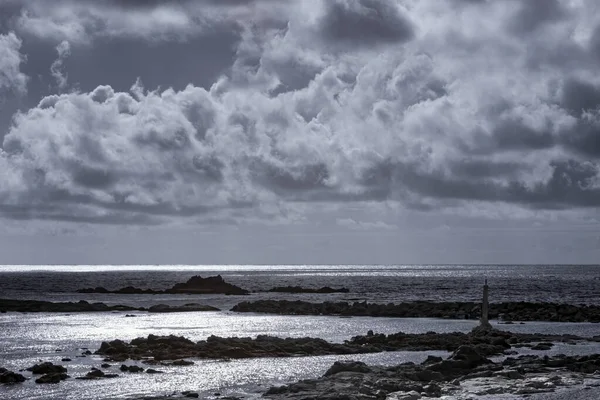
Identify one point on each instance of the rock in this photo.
(433, 390)
(66, 359)
(432, 359)
(52, 378)
(514, 311)
(404, 396)
(210, 285)
(131, 368)
(542, 346)
(105, 365)
(93, 374)
(9, 377)
(66, 307)
(194, 285)
(153, 371)
(347, 366)
(182, 363)
(190, 394)
(511, 374)
(46, 368)
(164, 308)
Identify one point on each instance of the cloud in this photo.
(434, 106)
(368, 226)
(365, 22)
(64, 51)
(11, 77)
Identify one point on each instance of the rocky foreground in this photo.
(194, 285)
(508, 311)
(157, 349)
(466, 372)
(33, 306)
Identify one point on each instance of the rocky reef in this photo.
(194, 285)
(156, 349)
(508, 311)
(84, 306)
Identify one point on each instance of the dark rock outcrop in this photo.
(194, 285)
(48, 306)
(157, 349)
(55, 377)
(84, 306)
(95, 373)
(46, 368)
(9, 377)
(510, 311)
(352, 380)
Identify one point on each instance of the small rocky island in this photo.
(194, 285)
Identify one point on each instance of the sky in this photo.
(299, 131)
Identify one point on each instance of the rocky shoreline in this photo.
(194, 285)
(157, 349)
(33, 306)
(466, 370)
(507, 311)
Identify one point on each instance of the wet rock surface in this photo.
(508, 311)
(466, 371)
(9, 377)
(157, 349)
(46, 368)
(54, 377)
(33, 306)
(194, 285)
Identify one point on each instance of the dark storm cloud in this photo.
(570, 185)
(264, 116)
(579, 96)
(365, 22)
(514, 135)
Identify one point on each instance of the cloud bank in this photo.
(433, 105)
(11, 77)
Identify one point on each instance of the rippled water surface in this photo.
(28, 338)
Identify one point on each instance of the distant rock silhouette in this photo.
(194, 285)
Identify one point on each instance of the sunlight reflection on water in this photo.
(29, 338)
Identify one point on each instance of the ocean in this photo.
(28, 338)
